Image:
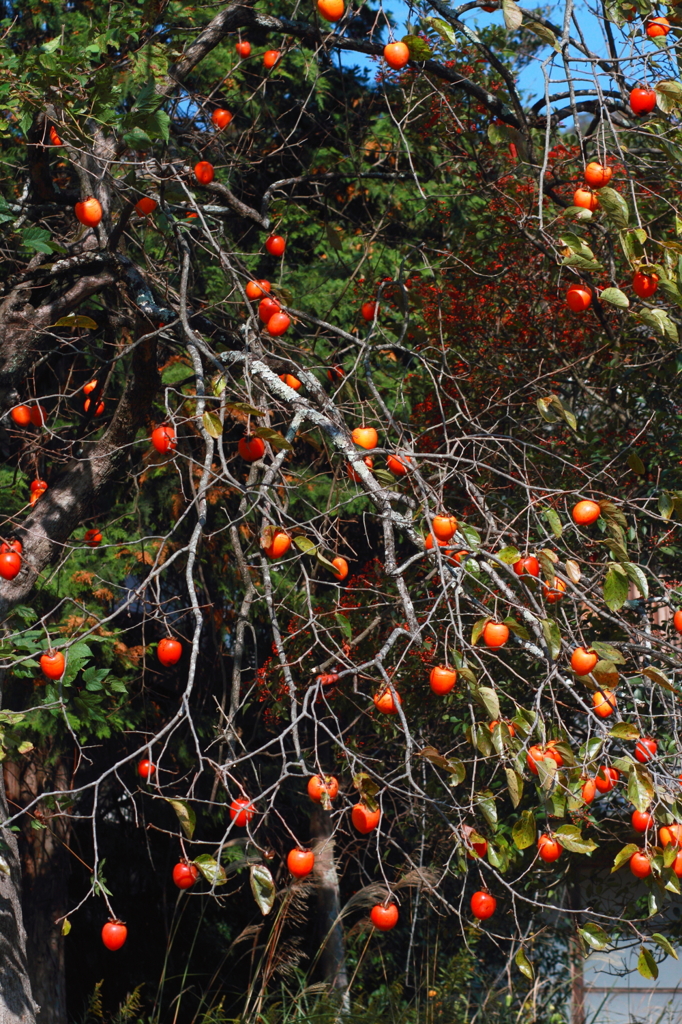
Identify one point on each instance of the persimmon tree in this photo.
(364, 394)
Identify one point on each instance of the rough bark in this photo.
(332, 957)
(45, 866)
(17, 1005)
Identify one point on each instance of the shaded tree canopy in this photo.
(341, 491)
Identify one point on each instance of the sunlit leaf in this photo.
(186, 815)
(262, 887)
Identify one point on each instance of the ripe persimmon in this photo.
(606, 779)
(640, 865)
(145, 206)
(364, 819)
(331, 10)
(597, 175)
(548, 849)
(257, 289)
(21, 415)
(164, 439)
(221, 118)
(585, 512)
(88, 212)
(527, 566)
(271, 58)
(291, 381)
(204, 172)
(537, 753)
(385, 703)
(281, 542)
(365, 437)
(642, 100)
(553, 592)
(583, 197)
(578, 297)
(644, 285)
(442, 679)
(251, 448)
(641, 821)
(398, 465)
(444, 527)
(243, 48)
(242, 811)
(583, 660)
(275, 245)
(267, 308)
(278, 324)
(495, 634)
(483, 905)
(656, 27)
(341, 566)
(604, 703)
(383, 917)
(396, 55)
(319, 784)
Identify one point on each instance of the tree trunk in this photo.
(45, 880)
(16, 998)
(330, 930)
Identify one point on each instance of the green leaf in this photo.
(137, 139)
(262, 887)
(614, 206)
(615, 297)
(418, 47)
(571, 838)
(524, 831)
(345, 625)
(580, 263)
(72, 320)
(514, 785)
(444, 30)
(624, 731)
(305, 545)
(477, 630)
(608, 652)
(516, 628)
(615, 589)
(489, 699)
(333, 237)
(244, 407)
(623, 856)
(646, 965)
(633, 246)
(513, 17)
(277, 440)
(186, 815)
(212, 871)
(487, 806)
(594, 936)
(524, 964)
(659, 677)
(640, 787)
(471, 536)
(636, 576)
(665, 944)
(212, 424)
(544, 33)
(553, 520)
(509, 555)
(552, 635)
(636, 464)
